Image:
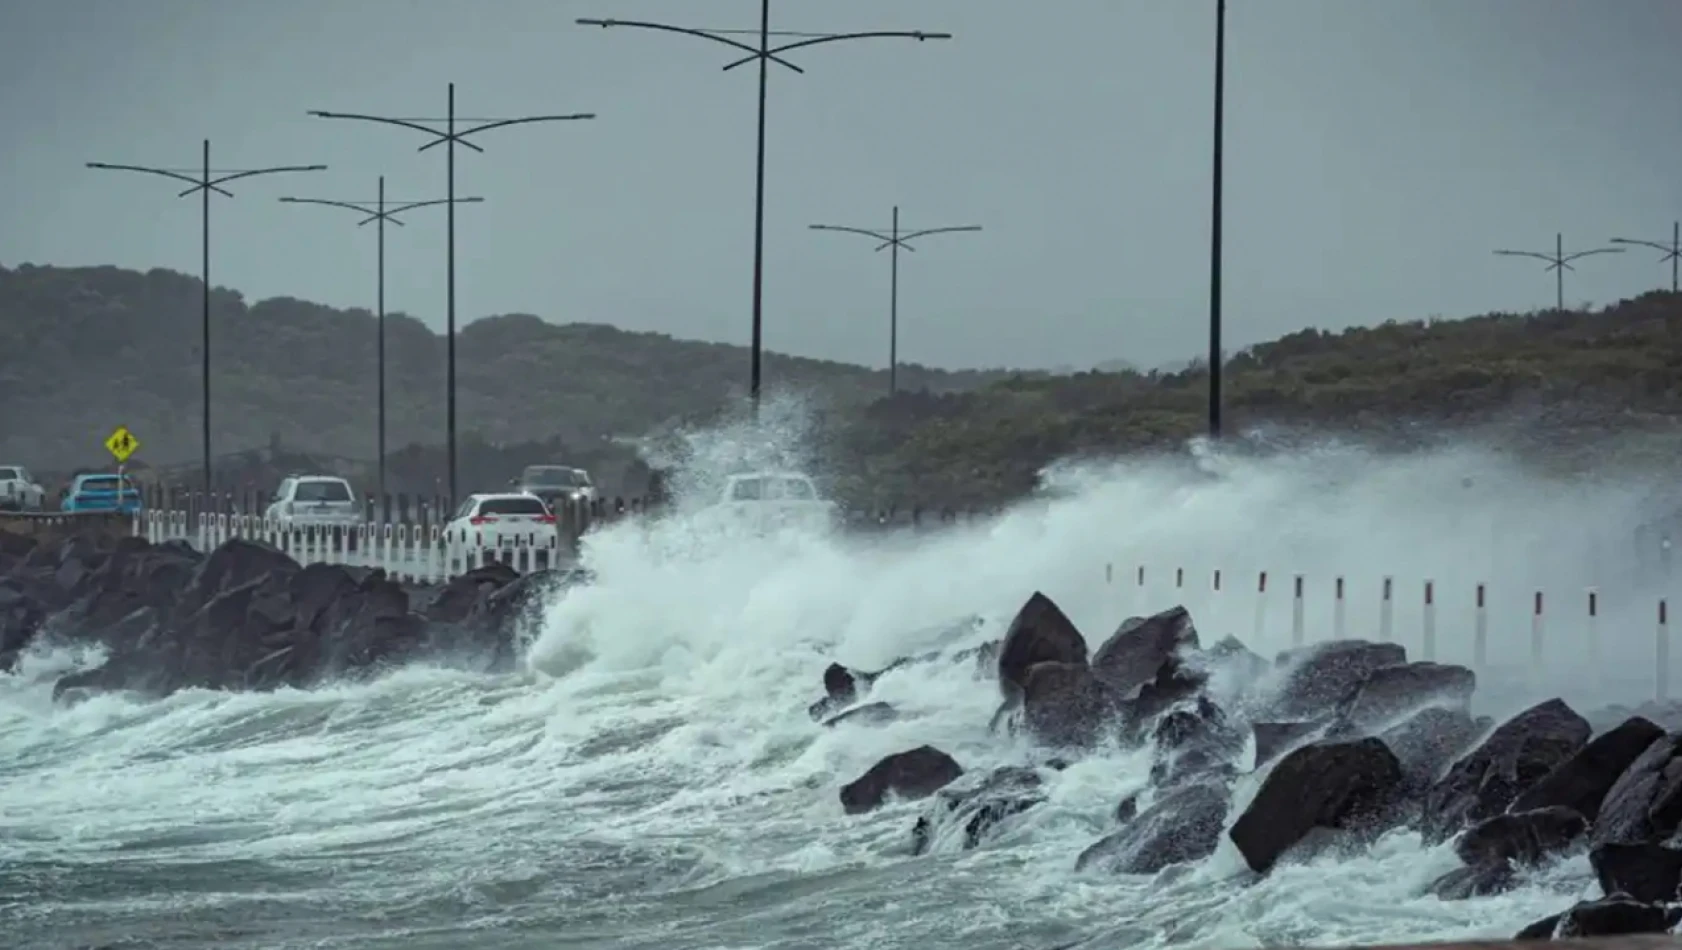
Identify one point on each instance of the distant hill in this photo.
(83, 349)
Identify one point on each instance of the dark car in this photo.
(556, 484)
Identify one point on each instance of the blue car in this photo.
(96, 492)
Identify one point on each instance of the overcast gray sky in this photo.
(1378, 150)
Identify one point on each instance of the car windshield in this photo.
(105, 483)
(556, 478)
(746, 489)
(321, 491)
(7, 474)
(798, 489)
(512, 506)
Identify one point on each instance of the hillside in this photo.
(83, 349)
(1553, 384)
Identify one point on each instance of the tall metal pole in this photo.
(764, 54)
(208, 180)
(1215, 358)
(449, 137)
(1559, 262)
(381, 213)
(893, 308)
(1672, 251)
(895, 240)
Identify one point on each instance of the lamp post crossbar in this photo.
(209, 180)
(450, 137)
(764, 54)
(1672, 252)
(383, 211)
(1559, 262)
(895, 241)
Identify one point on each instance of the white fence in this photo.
(417, 554)
(1447, 623)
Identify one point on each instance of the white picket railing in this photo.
(418, 554)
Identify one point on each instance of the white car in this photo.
(768, 501)
(505, 520)
(19, 490)
(315, 501)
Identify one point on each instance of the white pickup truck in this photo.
(768, 501)
(19, 491)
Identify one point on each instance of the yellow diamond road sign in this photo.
(122, 443)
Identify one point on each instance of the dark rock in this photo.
(1040, 633)
(1127, 809)
(1617, 916)
(985, 657)
(1133, 654)
(1177, 681)
(1002, 794)
(1429, 740)
(1540, 930)
(1339, 785)
(1650, 873)
(916, 773)
(1274, 739)
(1319, 676)
(1063, 704)
(1464, 883)
(460, 594)
(1195, 742)
(1645, 803)
(1524, 838)
(1182, 825)
(870, 714)
(841, 689)
(1515, 756)
(498, 623)
(1389, 693)
(1583, 781)
(1231, 652)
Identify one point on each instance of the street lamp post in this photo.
(381, 214)
(894, 240)
(764, 54)
(1559, 262)
(1215, 224)
(1672, 251)
(208, 180)
(450, 138)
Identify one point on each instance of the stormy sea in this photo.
(648, 776)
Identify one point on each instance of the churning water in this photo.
(651, 779)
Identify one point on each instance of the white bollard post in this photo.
(1141, 604)
(1261, 610)
(1296, 613)
(1387, 613)
(1340, 623)
(1480, 632)
(1428, 623)
(1536, 632)
(1661, 656)
(1179, 581)
(1594, 636)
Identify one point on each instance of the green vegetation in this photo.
(82, 349)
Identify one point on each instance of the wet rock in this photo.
(1338, 785)
(1467, 882)
(1320, 676)
(1064, 704)
(1127, 809)
(1515, 756)
(504, 618)
(1650, 873)
(1617, 916)
(460, 594)
(1390, 693)
(1274, 739)
(1427, 742)
(1582, 782)
(1132, 655)
(1231, 653)
(1001, 794)
(1182, 825)
(1645, 803)
(1523, 838)
(1540, 930)
(1040, 633)
(1177, 682)
(841, 688)
(870, 714)
(1195, 742)
(915, 773)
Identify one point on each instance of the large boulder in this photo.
(1390, 693)
(1335, 785)
(975, 812)
(1514, 757)
(1064, 704)
(1316, 678)
(1133, 654)
(1523, 838)
(913, 774)
(1428, 741)
(1040, 633)
(1645, 803)
(1182, 825)
(1648, 872)
(1582, 782)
